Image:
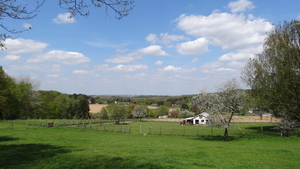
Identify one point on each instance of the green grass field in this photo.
(70, 147)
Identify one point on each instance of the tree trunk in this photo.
(225, 135)
(226, 129)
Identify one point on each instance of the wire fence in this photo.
(171, 127)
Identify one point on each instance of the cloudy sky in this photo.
(160, 48)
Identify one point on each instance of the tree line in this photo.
(20, 98)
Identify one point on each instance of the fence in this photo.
(157, 127)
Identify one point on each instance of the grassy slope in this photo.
(61, 147)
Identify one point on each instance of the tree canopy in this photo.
(274, 74)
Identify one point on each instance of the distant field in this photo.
(95, 108)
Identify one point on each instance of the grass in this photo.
(67, 147)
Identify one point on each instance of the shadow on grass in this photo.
(215, 138)
(6, 138)
(100, 161)
(11, 156)
(267, 130)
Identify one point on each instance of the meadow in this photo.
(33, 146)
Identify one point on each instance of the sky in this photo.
(161, 48)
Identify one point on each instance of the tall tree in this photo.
(274, 74)
(222, 105)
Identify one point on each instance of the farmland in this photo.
(69, 147)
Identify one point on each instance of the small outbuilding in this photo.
(198, 119)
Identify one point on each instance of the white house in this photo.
(198, 119)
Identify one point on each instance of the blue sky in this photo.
(160, 48)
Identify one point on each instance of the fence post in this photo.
(140, 129)
(130, 128)
(172, 130)
(262, 132)
(104, 126)
(160, 130)
(184, 129)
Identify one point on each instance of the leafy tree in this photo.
(152, 114)
(168, 104)
(83, 106)
(139, 111)
(274, 74)
(16, 10)
(162, 110)
(116, 112)
(185, 106)
(222, 105)
(185, 114)
(7, 98)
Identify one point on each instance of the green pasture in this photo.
(38, 147)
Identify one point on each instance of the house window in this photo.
(196, 121)
(202, 121)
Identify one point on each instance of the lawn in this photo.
(70, 147)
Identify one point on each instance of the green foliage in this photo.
(162, 110)
(168, 104)
(185, 106)
(273, 75)
(116, 111)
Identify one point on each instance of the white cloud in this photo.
(52, 76)
(171, 68)
(64, 18)
(240, 5)
(230, 31)
(298, 18)
(121, 50)
(210, 67)
(121, 68)
(68, 58)
(54, 68)
(195, 60)
(84, 72)
(27, 26)
(19, 46)
(164, 38)
(153, 50)
(235, 57)
(225, 69)
(129, 68)
(196, 47)
(24, 68)
(11, 58)
(158, 63)
(152, 38)
(122, 59)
